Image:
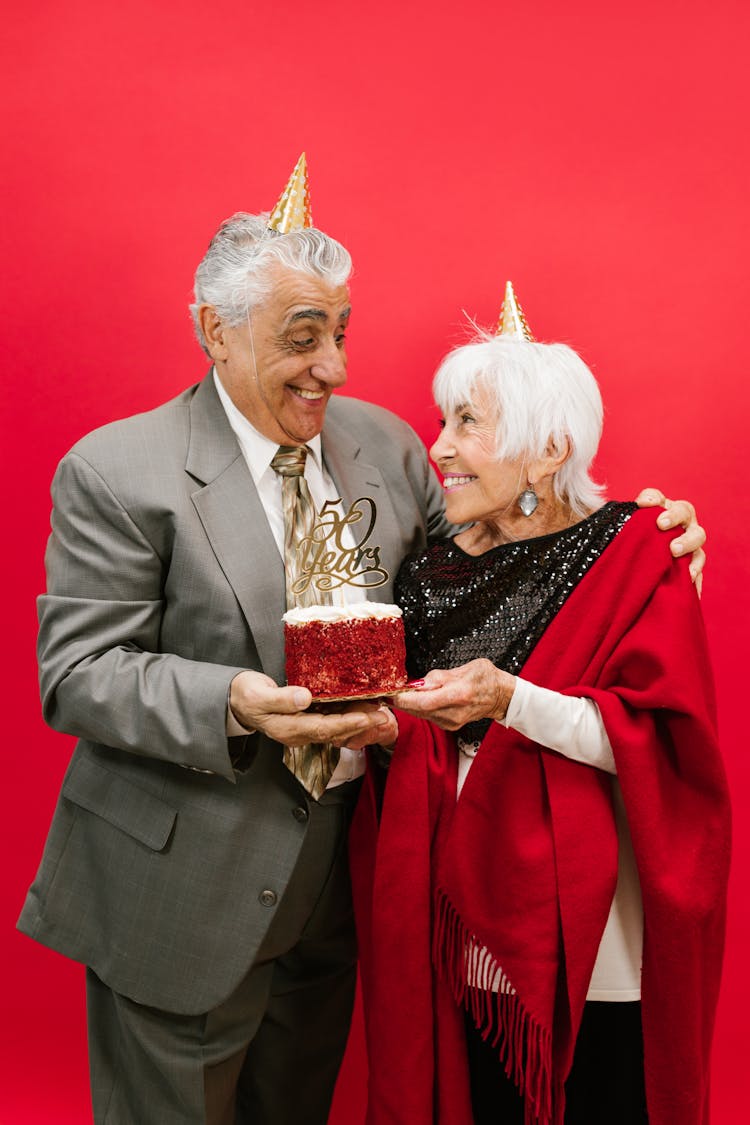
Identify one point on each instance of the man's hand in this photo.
(385, 731)
(679, 513)
(281, 713)
(456, 696)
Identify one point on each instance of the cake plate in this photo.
(361, 695)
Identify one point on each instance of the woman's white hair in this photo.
(543, 393)
(234, 274)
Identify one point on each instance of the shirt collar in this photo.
(257, 449)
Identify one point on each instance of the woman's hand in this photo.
(679, 513)
(456, 696)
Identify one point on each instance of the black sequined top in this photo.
(460, 607)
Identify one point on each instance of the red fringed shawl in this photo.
(517, 877)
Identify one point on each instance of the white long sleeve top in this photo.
(573, 727)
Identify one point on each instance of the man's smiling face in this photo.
(282, 375)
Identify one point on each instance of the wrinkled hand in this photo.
(679, 513)
(385, 731)
(281, 713)
(456, 696)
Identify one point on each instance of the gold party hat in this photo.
(292, 212)
(512, 322)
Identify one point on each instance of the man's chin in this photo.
(305, 420)
(302, 429)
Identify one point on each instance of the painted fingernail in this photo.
(416, 683)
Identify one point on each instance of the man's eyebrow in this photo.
(317, 314)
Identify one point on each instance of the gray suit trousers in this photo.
(270, 1053)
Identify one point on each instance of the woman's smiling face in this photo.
(479, 486)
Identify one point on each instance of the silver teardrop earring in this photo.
(528, 500)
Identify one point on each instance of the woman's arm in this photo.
(569, 725)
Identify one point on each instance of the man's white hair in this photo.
(542, 392)
(234, 274)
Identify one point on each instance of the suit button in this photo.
(267, 898)
(300, 813)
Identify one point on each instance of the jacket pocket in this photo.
(101, 791)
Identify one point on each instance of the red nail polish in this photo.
(416, 683)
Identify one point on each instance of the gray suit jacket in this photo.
(164, 581)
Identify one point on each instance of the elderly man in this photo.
(187, 865)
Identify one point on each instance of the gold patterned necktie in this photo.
(313, 763)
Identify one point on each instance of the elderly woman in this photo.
(556, 933)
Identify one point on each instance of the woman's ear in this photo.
(554, 457)
(558, 452)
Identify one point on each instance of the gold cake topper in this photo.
(325, 563)
(292, 212)
(512, 322)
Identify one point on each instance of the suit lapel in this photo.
(354, 477)
(235, 522)
(236, 526)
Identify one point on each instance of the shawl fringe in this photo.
(480, 985)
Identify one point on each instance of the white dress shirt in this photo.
(258, 452)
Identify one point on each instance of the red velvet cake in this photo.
(339, 651)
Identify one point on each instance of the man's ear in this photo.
(212, 327)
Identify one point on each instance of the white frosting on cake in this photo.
(300, 615)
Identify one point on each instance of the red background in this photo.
(597, 156)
